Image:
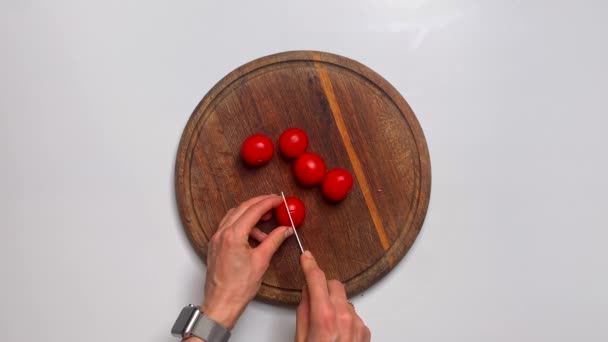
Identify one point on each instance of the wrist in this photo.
(225, 314)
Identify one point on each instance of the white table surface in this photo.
(511, 96)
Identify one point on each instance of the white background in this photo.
(510, 94)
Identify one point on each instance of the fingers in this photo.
(316, 283)
(336, 290)
(349, 324)
(267, 216)
(326, 306)
(361, 331)
(303, 317)
(366, 334)
(271, 243)
(337, 294)
(254, 213)
(228, 216)
(257, 234)
(235, 213)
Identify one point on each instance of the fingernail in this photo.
(288, 232)
(308, 254)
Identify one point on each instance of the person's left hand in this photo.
(234, 269)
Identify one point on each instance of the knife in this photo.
(292, 225)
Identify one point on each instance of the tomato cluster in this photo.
(309, 169)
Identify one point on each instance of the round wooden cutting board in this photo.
(355, 120)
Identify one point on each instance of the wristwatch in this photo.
(192, 322)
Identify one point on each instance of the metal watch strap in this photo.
(209, 330)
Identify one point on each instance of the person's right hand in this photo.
(325, 314)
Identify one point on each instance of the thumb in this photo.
(272, 242)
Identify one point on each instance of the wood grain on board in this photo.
(355, 120)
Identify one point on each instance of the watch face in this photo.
(180, 327)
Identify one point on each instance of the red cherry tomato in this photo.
(296, 208)
(257, 150)
(336, 184)
(309, 169)
(293, 142)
